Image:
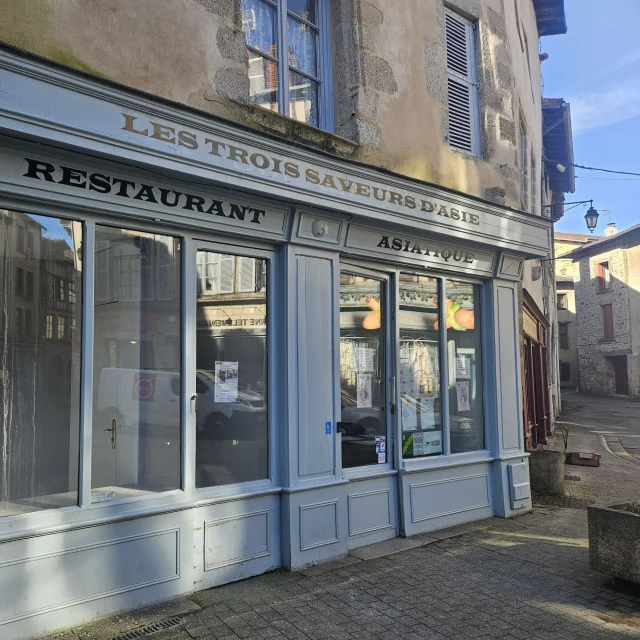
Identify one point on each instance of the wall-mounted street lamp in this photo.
(591, 217)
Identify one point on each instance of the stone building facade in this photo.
(388, 102)
(307, 247)
(606, 280)
(567, 327)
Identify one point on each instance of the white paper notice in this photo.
(462, 391)
(427, 413)
(418, 443)
(431, 442)
(382, 458)
(463, 366)
(409, 416)
(364, 360)
(226, 385)
(364, 390)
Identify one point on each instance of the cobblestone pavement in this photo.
(610, 427)
(522, 578)
(528, 577)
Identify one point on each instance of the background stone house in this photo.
(606, 281)
(567, 329)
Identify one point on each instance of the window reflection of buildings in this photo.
(232, 315)
(137, 300)
(38, 368)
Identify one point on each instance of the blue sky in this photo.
(596, 67)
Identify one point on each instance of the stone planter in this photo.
(546, 472)
(614, 540)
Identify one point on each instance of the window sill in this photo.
(443, 462)
(607, 290)
(369, 472)
(611, 339)
(292, 130)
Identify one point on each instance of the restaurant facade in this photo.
(224, 353)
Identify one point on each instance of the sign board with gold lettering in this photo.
(58, 107)
(418, 249)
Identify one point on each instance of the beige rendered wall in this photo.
(389, 74)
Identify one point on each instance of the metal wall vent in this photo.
(142, 632)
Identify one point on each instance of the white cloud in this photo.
(627, 59)
(599, 109)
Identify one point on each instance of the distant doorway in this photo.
(621, 375)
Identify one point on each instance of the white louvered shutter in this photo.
(247, 275)
(227, 273)
(461, 84)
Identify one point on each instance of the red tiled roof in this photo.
(577, 237)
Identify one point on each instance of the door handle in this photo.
(393, 394)
(113, 431)
(194, 400)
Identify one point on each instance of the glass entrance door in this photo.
(364, 331)
(231, 361)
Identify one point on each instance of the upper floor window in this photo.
(604, 277)
(607, 321)
(462, 84)
(562, 301)
(563, 335)
(289, 57)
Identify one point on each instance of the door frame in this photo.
(387, 279)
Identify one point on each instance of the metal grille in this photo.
(142, 632)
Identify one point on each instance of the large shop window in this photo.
(231, 362)
(439, 411)
(419, 361)
(362, 367)
(420, 380)
(40, 369)
(464, 351)
(136, 364)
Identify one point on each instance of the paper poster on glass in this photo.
(364, 391)
(421, 443)
(408, 413)
(463, 366)
(427, 412)
(462, 393)
(226, 383)
(381, 449)
(364, 359)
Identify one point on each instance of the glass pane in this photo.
(464, 353)
(263, 81)
(136, 368)
(231, 377)
(40, 370)
(419, 373)
(302, 46)
(303, 99)
(362, 366)
(306, 9)
(259, 26)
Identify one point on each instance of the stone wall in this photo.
(568, 316)
(594, 350)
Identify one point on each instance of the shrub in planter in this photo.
(614, 540)
(546, 471)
